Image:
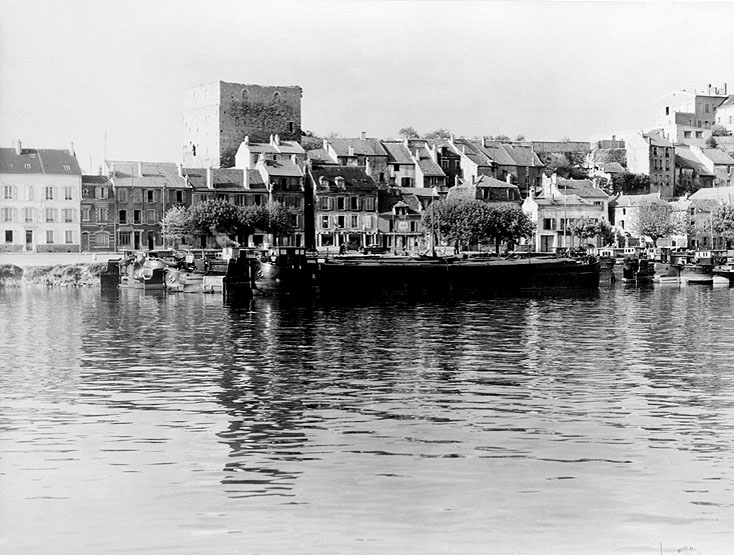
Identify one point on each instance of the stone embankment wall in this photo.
(62, 275)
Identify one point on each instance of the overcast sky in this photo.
(71, 71)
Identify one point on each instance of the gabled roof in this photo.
(38, 161)
(497, 152)
(487, 181)
(613, 167)
(281, 168)
(719, 194)
(427, 192)
(728, 102)
(319, 155)
(635, 200)
(684, 157)
(523, 155)
(228, 179)
(563, 200)
(656, 138)
(154, 174)
(355, 179)
(95, 180)
(581, 187)
(718, 156)
(362, 147)
(470, 150)
(397, 153)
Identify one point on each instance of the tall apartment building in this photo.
(40, 193)
(686, 116)
(218, 116)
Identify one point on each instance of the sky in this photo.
(108, 76)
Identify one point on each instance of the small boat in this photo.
(636, 267)
(699, 270)
(281, 268)
(137, 271)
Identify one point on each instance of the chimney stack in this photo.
(71, 149)
(209, 178)
(277, 140)
(179, 166)
(140, 169)
(18, 148)
(247, 139)
(363, 135)
(367, 166)
(351, 150)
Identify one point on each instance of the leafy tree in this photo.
(408, 133)
(711, 142)
(520, 137)
(508, 224)
(311, 141)
(501, 138)
(177, 223)
(655, 219)
(215, 217)
(722, 221)
(631, 183)
(438, 134)
(586, 228)
(719, 130)
(277, 220)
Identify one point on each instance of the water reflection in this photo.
(502, 418)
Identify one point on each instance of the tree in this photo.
(216, 218)
(177, 223)
(277, 220)
(711, 142)
(500, 138)
(719, 130)
(722, 221)
(408, 133)
(438, 134)
(655, 219)
(631, 183)
(508, 224)
(586, 228)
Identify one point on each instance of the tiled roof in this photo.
(684, 155)
(462, 192)
(35, 161)
(355, 179)
(429, 168)
(718, 156)
(154, 174)
(320, 155)
(563, 200)
(523, 155)
(728, 102)
(581, 187)
(613, 167)
(255, 180)
(362, 147)
(719, 194)
(657, 139)
(470, 150)
(397, 153)
(222, 178)
(635, 200)
(95, 179)
(420, 191)
(282, 168)
(497, 152)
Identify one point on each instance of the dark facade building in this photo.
(98, 214)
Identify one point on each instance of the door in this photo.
(151, 241)
(136, 240)
(85, 242)
(29, 240)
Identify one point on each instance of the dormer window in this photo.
(67, 167)
(27, 166)
(339, 182)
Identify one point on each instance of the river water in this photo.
(574, 423)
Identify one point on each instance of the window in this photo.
(123, 238)
(151, 196)
(67, 167)
(686, 134)
(68, 193)
(258, 200)
(706, 108)
(29, 192)
(667, 110)
(179, 196)
(624, 211)
(369, 203)
(68, 236)
(354, 221)
(239, 200)
(396, 167)
(101, 214)
(27, 166)
(9, 192)
(368, 221)
(324, 203)
(137, 216)
(122, 195)
(86, 213)
(549, 223)
(294, 220)
(152, 216)
(8, 235)
(7, 214)
(341, 222)
(102, 239)
(137, 195)
(324, 222)
(290, 127)
(50, 215)
(413, 227)
(68, 215)
(28, 215)
(221, 196)
(49, 193)
(122, 217)
(49, 236)
(340, 203)
(699, 134)
(354, 203)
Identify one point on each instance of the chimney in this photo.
(71, 149)
(271, 139)
(277, 140)
(351, 150)
(247, 140)
(100, 170)
(363, 135)
(18, 148)
(326, 145)
(179, 166)
(367, 166)
(405, 142)
(484, 141)
(509, 178)
(209, 178)
(451, 138)
(140, 169)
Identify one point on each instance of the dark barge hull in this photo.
(485, 275)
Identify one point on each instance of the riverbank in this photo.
(59, 275)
